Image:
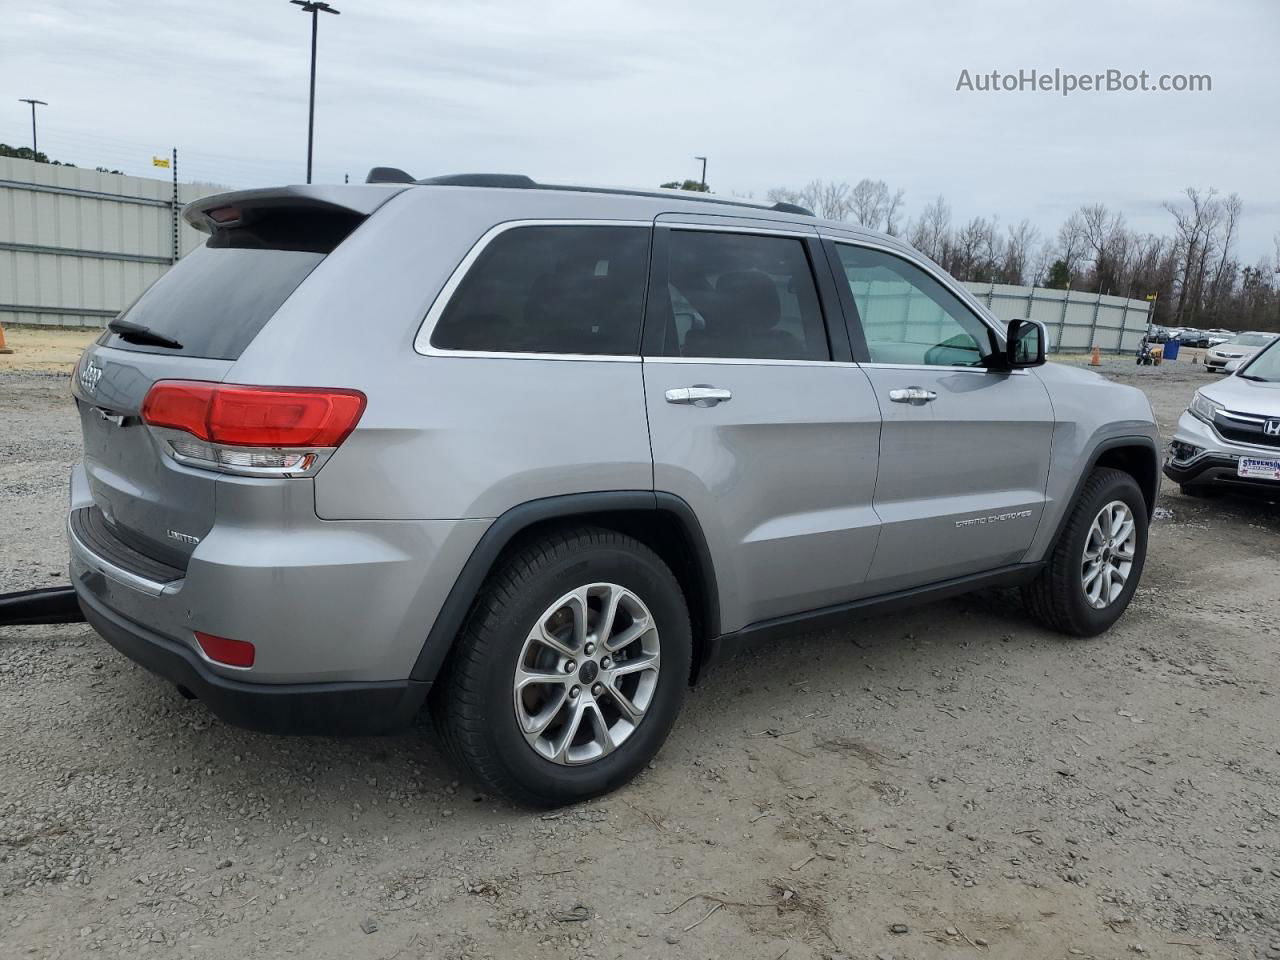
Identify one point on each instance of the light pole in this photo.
(704, 172)
(33, 103)
(314, 8)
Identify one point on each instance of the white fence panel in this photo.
(76, 245)
(1076, 320)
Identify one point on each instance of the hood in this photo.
(1245, 396)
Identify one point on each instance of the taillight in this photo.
(257, 431)
(234, 653)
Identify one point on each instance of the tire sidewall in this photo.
(646, 577)
(1124, 489)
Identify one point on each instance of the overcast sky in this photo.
(775, 93)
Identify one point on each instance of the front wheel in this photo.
(570, 670)
(1094, 568)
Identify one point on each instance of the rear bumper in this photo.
(334, 709)
(323, 602)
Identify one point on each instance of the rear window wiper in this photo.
(136, 333)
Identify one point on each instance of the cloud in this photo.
(615, 91)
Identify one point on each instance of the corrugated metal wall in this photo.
(1076, 320)
(76, 245)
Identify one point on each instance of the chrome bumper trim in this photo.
(152, 588)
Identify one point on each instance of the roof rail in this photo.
(782, 207)
(512, 180)
(388, 175)
(518, 181)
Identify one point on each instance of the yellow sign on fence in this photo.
(160, 162)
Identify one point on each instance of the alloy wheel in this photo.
(1109, 551)
(587, 674)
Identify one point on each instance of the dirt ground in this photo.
(44, 349)
(953, 782)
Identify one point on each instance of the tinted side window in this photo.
(551, 289)
(909, 317)
(739, 295)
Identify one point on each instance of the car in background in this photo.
(1229, 437)
(1240, 347)
(1193, 337)
(1219, 336)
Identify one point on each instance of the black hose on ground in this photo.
(46, 605)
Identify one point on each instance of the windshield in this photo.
(1252, 340)
(1265, 366)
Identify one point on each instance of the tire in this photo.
(475, 704)
(1058, 598)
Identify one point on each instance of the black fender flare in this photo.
(513, 522)
(1150, 489)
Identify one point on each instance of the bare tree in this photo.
(893, 212)
(1194, 272)
(1194, 230)
(1038, 269)
(784, 195)
(1017, 251)
(870, 202)
(1107, 244)
(931, 234)
(1224, 272)
(826, 198)
(1071, 243)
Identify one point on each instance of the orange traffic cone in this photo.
(1096, 359)
(3, 348)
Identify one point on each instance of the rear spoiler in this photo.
(235, 209)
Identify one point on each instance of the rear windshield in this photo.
(217, 298)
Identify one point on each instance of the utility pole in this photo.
(175, 208)
(704, 172)
(313, 7)
(34, 149)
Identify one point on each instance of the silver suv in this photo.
(537, 454)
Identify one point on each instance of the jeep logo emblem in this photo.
(1271, 428)
(90, 374)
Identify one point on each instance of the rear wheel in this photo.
(1095, 566)
(570, 670)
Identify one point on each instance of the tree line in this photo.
(1192, 269)
(26, 153)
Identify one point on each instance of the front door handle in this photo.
(916, 396)
(699, 395)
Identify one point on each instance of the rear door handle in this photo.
(916, 396)
(699, 395)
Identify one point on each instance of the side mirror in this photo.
(1024, 344)
(1233, 365)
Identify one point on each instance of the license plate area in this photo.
(1252, 468)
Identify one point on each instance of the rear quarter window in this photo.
(551, 289)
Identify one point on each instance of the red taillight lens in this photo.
(254, 416)
(234, 653)
(223, 214)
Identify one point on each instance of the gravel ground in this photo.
(948, 783)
